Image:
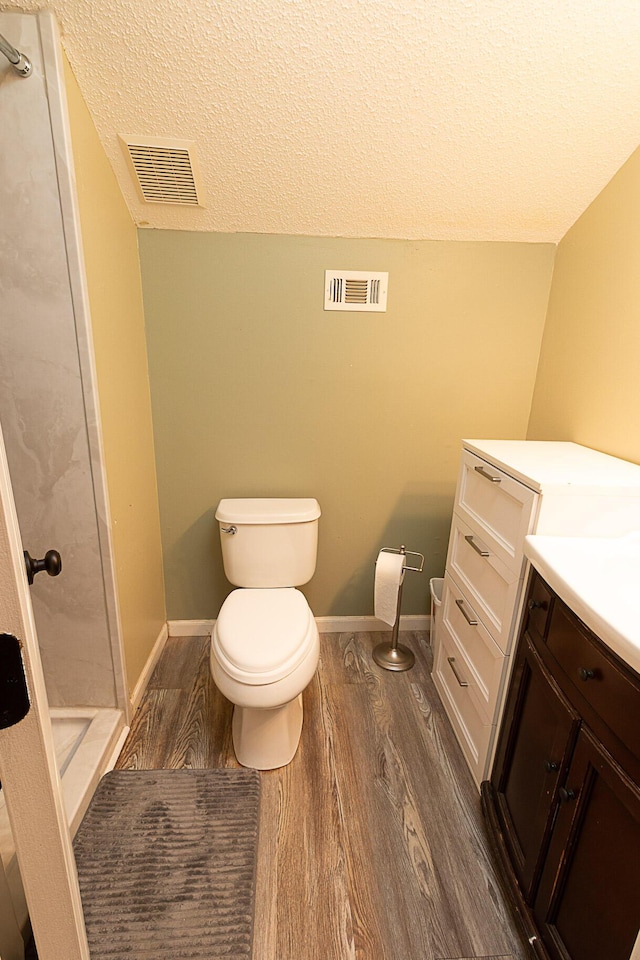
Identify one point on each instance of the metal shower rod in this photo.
(18, 61)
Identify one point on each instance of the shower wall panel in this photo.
(47, 401)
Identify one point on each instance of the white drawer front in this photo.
(499, 506)
(471, 728)
(491, 586)
(482, 661)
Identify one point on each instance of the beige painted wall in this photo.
(258, 391)
(588, 383)
(113, 276)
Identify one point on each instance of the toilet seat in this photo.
(262, 635)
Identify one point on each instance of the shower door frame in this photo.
(83, 470)
(32, 788)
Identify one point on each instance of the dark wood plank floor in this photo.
(372, 845)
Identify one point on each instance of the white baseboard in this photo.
(201, 628)
(190, 628)
(147, 670)
(370, 624)
(117, 750)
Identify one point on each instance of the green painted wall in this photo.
(257, 391)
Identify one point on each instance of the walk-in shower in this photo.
(51, 425)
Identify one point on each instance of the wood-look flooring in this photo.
(372, 845)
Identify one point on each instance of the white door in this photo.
(28, 769)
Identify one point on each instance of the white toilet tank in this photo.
(269, 542)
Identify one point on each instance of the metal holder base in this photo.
(393, 658)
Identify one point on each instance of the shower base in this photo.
(87, 742)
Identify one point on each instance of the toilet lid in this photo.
(261, 635)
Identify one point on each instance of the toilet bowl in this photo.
(265, 645)
(264, 652)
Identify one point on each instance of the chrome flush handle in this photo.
(232, 529)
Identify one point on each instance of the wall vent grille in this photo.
(355, 290)
(165, 171)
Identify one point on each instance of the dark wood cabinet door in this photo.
(588, 902)
(538, 734)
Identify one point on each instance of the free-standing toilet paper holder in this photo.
(395, 656)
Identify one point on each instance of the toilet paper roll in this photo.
(389, 576)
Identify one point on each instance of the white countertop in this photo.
(599, 579)
(545, 465)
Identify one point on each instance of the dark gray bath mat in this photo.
(166, 862)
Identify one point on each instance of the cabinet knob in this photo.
(537, 605)
(566, 795)
(585, 674)
(551, 766)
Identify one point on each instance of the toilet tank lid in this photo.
(268, 510)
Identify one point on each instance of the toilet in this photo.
(265, 645)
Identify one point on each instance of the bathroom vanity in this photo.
(508, 489)
(563, 800)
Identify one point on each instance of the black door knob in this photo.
(51, 562)
(551, 766)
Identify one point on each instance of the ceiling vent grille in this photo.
(165, 171)
(355, 290)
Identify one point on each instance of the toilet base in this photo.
(266, 739)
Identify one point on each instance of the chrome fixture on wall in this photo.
(18, 61)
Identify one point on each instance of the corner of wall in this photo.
(530, 431)
(112, 262)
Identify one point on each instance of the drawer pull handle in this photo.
(537, 604)
(586, 674)
(566, 795)
(488, 476)
(470, 620)
(551, 766)
(452, 663)
(482, 550)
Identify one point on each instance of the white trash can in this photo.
(435, 585)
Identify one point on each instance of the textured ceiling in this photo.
(436, 119)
